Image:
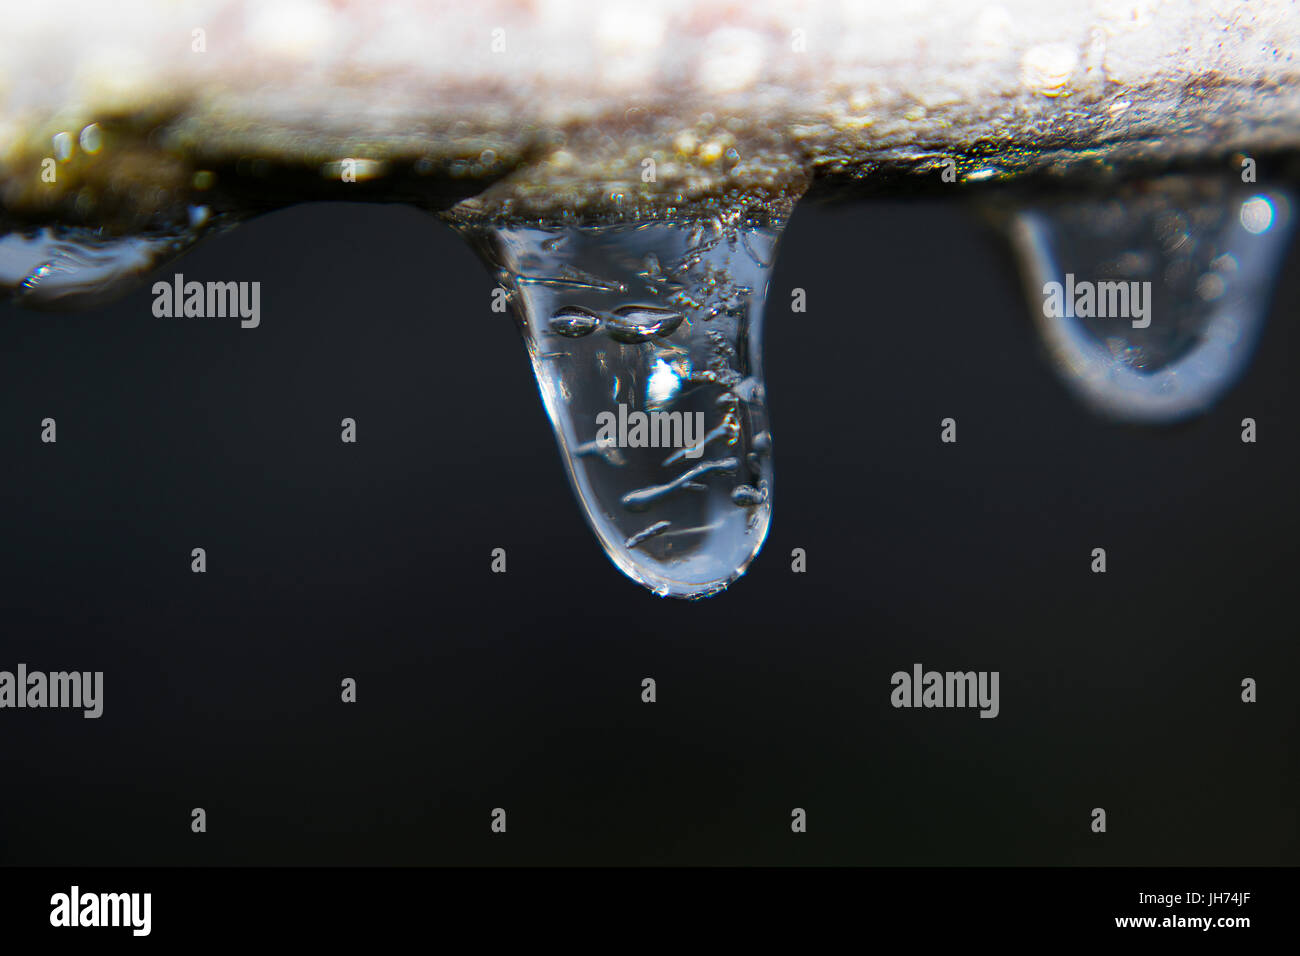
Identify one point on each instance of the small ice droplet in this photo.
(1151, 303)
(573, 322)
(660, 415)
(78, 268)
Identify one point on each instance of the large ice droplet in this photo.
(646, 342)
(1151, 301)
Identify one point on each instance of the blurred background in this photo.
(523, 690)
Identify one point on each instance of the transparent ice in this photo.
(659, 317)
(77, 268)
(1210, 249)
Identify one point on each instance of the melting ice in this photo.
(76, 268)
(656, 326)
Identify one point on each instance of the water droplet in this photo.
(1257, 215)
(91, 139)
(661, 418)
(62, 144)
(573, 322)
(1151, 302)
